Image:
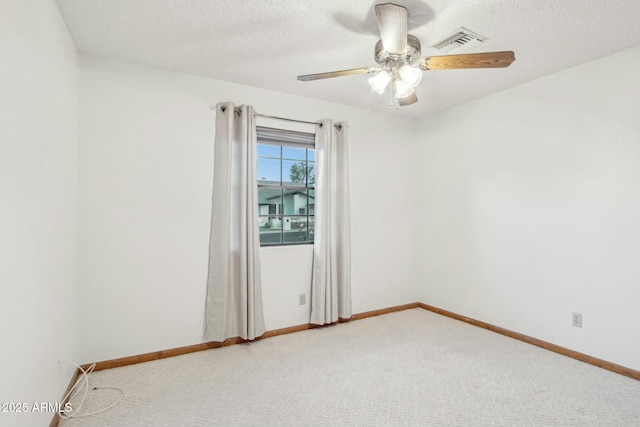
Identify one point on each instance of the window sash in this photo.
(289, 138)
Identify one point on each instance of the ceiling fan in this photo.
(398, 55)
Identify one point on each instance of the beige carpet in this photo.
(411, 368)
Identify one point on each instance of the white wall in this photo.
(146, 154)
(531, 200)
(38, 183)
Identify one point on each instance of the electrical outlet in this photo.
(302, 299)
(576, 320)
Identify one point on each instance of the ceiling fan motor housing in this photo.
(410, 55)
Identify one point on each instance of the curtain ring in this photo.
(236, 110)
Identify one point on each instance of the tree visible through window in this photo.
(298, 172)
(286, 180)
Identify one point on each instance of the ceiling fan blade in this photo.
(408, 100)
(318, 76)
(468, 60)
(392, 24)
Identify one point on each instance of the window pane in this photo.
(312, 223)
(294, 173)
(294, 201)
(270, 230)
(268, 171)
(267, 150)
(311, 173)
(294, 153)
(270, 201)
(311, 152)
(295, 229)
(312, 202)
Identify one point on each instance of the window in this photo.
(286, 180)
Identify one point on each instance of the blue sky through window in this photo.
(272, 157)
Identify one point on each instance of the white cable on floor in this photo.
(77, 386)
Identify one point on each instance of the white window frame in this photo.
(295, 139)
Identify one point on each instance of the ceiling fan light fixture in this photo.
(410, 75)
(398, 55)
(379, 82)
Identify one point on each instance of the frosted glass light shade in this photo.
(410, 75)
(402, 89)
(379, 82)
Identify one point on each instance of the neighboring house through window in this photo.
(286, 180)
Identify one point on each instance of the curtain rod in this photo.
(266, 116)
(284, 118)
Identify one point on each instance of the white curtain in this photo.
(234, 298)
(331, 278)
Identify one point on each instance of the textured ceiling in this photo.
(267, 43)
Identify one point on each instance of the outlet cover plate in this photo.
(576, 320)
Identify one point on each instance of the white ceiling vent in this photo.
(462, 38)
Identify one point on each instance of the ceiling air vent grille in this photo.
(461, 38)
